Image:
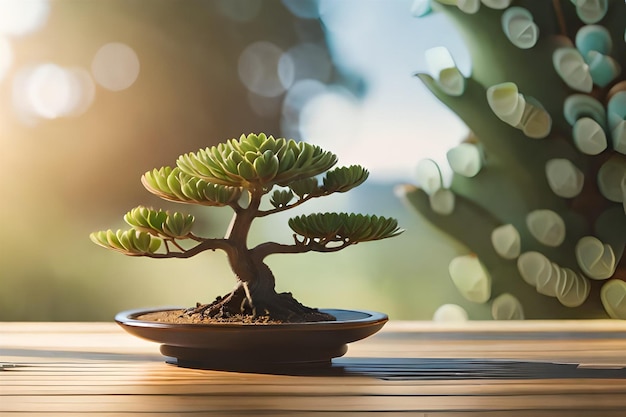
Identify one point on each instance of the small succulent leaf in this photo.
(140, 241)
(287, 161)
(124, 239)
(145, 220)
(155, 218)
(174, 185)
(200, 165)
(235, 157)
(266, 168)
(230, 163)
(280, 198)
(246, 171)
(306, 153)
(129, 242)
(270, 144)
(156, 180)
(159, 223)
(343, 226)
(155, 244)
(306, 186)
(183, 223)
(221, 195)
(178, 186)
(183, 162)
(99, 238)
(113, 240)
(189, 190)
(269, 161)
(248, 143)
(251, 156)
(344, 179)
(234, 144)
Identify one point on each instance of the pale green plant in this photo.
(240, 174)
(538, 194)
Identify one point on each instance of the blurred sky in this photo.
(383, 43)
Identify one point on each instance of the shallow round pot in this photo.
(245, 345)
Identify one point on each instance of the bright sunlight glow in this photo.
(19, 17)
(115, 66)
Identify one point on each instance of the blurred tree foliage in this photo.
(54, 174)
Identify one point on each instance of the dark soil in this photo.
(285, 309)
(180, 317)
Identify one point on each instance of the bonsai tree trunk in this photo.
(254, 294)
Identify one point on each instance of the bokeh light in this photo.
(330, 120)
(307, 60)
(260, 72)
(19, 17)
(296, 98)
(49, 91)
(115, 66)
(82, 91)
(6, 56)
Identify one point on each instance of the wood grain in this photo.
(410, 368)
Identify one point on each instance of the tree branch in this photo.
(265, 249)
(206, 244)
(263, 213)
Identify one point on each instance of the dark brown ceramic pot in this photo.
(242, 346)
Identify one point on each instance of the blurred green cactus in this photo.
(251, 166)
(538, 193)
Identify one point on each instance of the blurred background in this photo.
(95, 93)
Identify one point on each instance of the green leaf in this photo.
(129, 242)
(280, 198)
(178, 225)
(257, 160)
(287, 161)
(266, 166)
(158, 223)
(344, 226)
(246, 170)
(343, 179)
(175, 185)
(305, 187)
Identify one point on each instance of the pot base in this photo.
(241, 346)
(242, 360)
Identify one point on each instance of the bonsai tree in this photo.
(239, 174)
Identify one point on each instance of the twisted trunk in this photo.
(254, 297)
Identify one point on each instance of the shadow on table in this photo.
(382, 368)
(425, 369)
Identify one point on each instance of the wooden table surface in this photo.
(564, 368)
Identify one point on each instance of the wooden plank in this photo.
(288, 402)
(96, 368)
(346, 388)
(508, 413)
